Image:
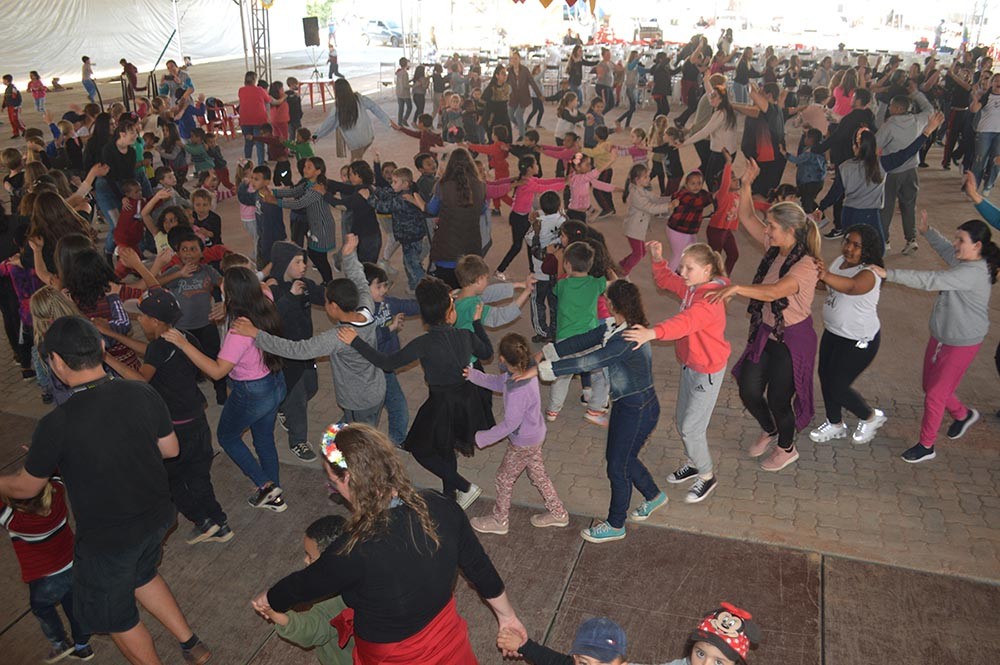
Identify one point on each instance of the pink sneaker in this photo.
(779, 459)
(548, 519)
(489, 524)
(760, 446)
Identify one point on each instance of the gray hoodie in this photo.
(359, 384)
(961, 312)
(901, 130)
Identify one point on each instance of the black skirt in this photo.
(449, 419)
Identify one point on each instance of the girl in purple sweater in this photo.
(524, 428)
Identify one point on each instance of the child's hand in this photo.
(36, 243)
(478, 314)
(655, 249)
(128, 256)
(350, 244)
(529, 282)
(726, 156)
(162, 195)
(640, 335)
(465, 372)
(243, 326)
(175, 337)
(189, 269)
(217, 313)
(923, 225)
(508, 640)
(346, 334)
(397, 322)
(298, 287)
(102, 325)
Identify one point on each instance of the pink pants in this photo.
(638, 251)
(678, 243)
(944, 367)
(515, 461)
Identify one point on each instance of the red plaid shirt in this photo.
(686, 217)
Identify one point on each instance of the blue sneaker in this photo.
(646, 508)
(602, 532)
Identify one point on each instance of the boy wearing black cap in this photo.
(598, 641)
(175, 378)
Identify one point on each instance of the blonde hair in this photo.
(658, 132)
(791, 217)
(639, 133)
(704, 255)
(40, 504)
(48, 304)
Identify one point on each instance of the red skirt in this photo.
(444, 641)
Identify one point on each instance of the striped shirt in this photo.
(43, 543)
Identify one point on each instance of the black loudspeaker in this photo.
(310, 30)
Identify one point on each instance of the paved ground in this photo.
(849, 502)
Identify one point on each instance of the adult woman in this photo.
(987, 105)
(496, 96)
(604, 87)
(51, 220)
(781, 348)
(852, 334)
(959, 323)
(741, 80)
(635, 408)
(522, 85)
(574, 70)
(93, 151)
(633, 68)
(279, 115)
(458, 203)
(396, 562)
(356, 131)
(662, 82)
(822, 74)
(720, 130)
(255, 383)
(254, 104)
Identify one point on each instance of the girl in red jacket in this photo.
(702, 350)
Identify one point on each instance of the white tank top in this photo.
(853, 317)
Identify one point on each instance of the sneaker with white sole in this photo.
(58, 652)
(277, 504)
(82, 653)
(602, 532)
(700, 490)
(548, 519)
(202, 532)
(282, 420)
(551, 416)
(760, 446)
(918, 453)
(599, 418)
(779, 459)
(958, 428)
(685, 473)
(866, 429)
(263, 494)
(466, 499)
(828, 432)
(910, 247)
(303, 451)
(223, 535)
(489, 524)
(647, 508)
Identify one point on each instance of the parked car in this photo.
(386, 33)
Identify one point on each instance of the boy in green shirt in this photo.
(473, 277)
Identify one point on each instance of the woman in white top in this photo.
(987, 105)
(852, 334)
(720, 130)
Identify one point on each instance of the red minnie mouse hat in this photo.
(730, 629)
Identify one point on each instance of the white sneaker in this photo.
(866, 429)
(466, 499)
(828, 431)
(911, 246)
(888, 248)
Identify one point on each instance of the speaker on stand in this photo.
(310, 32)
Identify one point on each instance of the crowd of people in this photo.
(128, 443)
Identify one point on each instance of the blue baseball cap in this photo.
(599, 638)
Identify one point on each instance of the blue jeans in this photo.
(252, 405)
(632, 95)
(413, 262)
(91, 88)
(110, 203)
(741, 93)
(517, 120)
(987, 150)
(872, 217)
(395, 407)
(45, 595)
(632, 420)
(250, 131)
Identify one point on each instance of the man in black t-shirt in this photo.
(108, 441)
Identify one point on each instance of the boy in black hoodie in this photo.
(294, 296)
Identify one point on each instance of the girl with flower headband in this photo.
(396, 562)
(861, 180)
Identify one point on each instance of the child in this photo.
(721, 231)
(219, 165)
(637, 150)
(360, 217)
(302, 145)
(598, 641)
(129, 229)
(529, 148)
(195, 147)
(13, 182)
(568, 116)
(12, 102)
(389, 315)
(643, 204)
(48, 304)
(664, 143)
(542, 238)
(594, 119)
(207, 223)
(314, 628)
(576, 313)
(358, 385)
(409, 227)
(497, 152)
(37, 90)
(451, 120)
(425, 132)
(269, 219)
(472, 121)
(685, 220)
(701, 349)
(582, 177)
(172, 153)
(175, 378)
(525, 428)
(43, 542)
(427, 166)
(294, 297)
(448, 421)
(294, 101)
(277, 152)
(810, 169)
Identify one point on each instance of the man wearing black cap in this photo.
(108, 441)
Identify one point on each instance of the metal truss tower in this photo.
(256, 37)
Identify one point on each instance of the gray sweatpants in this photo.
(904, 187)
(696, 399)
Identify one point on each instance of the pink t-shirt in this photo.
(799, 304)
(248, 362)
(842, 102)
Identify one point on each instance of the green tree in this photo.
(321, 9)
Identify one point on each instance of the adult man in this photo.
(108, 441)
(897, 132)
(175, 79)
(938, 31)
(521, 85)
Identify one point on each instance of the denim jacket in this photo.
(630, 370)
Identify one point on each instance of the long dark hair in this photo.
(348, 108)
(100, 136)
(244, 297)
(461, 170)
(275, 89)
(67, 249)
(868, 155)
(725, 106)
(319, 165)
(89, 278)
(627, 301)
(872, 246)
(979, 232)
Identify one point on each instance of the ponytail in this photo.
(979, 232)
(706, 256)
(523, 164)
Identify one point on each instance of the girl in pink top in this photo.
(279, 110)
(526, 187)
(256, 386)
(582, 177)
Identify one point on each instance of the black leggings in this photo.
(444, 467)
(662, 104)
(771, 374)
(840, 363)
(603, 198)
(208, 338)
(322, 263)
(658, 173)
(537, 106)
(519, 225)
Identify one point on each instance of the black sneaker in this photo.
(303, 451)
(282, 420)
(223, 535)
(700, 490)
(680, 475)
(834, 234)
(958, 428)
(83, 653)
(918, 453)
(27, 374)
(202, 532)
(541, 339)
(263, 495)
(277, 504)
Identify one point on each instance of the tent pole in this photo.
(243, 33)
(177, 30)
